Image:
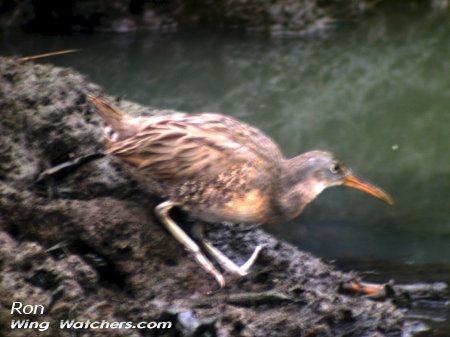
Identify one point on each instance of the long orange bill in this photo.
(355, 182)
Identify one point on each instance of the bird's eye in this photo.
(335, 168)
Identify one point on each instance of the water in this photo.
(376, 94)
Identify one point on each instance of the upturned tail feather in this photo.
(111, 115)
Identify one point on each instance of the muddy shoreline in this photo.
(85, 243)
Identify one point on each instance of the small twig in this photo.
(55, 296)
(60, 245)
(424, 290)
(68, 166)
(371, 290)
(34, 57)
(246, 299)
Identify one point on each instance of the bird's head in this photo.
(317, 170)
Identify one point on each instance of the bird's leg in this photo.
(162, 211)
(221, 258)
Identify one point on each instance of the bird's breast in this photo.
(249, 207)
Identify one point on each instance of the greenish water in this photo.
(376, 94)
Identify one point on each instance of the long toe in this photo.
(245, 268)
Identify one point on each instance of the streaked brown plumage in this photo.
(219, 169)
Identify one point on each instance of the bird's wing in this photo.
(182, 146)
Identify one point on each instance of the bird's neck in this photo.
(297, 188)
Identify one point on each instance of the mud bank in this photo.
(84, 243)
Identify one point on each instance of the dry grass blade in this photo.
(55, 53)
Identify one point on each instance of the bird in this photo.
(219, 169)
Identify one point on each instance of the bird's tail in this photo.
(110, 114)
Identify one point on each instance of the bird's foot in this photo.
(229, 265)
(221, 258)
(162, 211)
